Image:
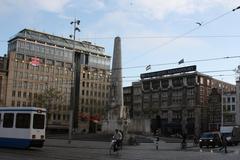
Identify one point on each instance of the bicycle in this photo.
(183, 145)
(114, 147)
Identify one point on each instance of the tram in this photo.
(22, 127)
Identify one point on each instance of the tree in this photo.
(48, 98)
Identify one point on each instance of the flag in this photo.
(148, 67)
(181, 61)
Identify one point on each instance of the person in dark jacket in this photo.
(224, 143)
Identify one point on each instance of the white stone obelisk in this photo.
(116, 111)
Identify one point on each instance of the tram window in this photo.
(8, 120)
(23, 120)
(0, 119)
(38, 121)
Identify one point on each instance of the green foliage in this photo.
(49, 97)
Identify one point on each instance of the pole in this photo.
(72, 103)
(222, 105)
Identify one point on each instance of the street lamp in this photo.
(222, 104)
(75, 24)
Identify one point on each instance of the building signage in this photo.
(169, 71)
(35, 61)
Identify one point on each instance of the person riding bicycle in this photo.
(118, 137)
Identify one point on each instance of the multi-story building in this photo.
(238, 101)
(128, 99)
(3, 80)
(179, 97)
(214, 110)
(229, 109)
(133, 99)
(37, 61)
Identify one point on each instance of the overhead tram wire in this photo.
(172, 63)
(184, 34)
(204, 72)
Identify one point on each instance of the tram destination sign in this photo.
(169, 71)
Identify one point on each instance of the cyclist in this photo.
(118, 137)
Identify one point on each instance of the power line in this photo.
(184, 34)
(191, 61)
(212, 71)
(166, 37)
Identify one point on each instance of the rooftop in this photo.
(57, 40)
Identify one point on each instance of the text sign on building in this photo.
(169, 71)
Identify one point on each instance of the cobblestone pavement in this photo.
(56, 149)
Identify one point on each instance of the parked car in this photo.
(232, 134)
(210, 139)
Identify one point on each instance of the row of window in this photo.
(177, 114)
(228, 99)
(44, 49)
(43, 68)
(41, 87)
(98, 77)
(93, 102)
(58, 117)
(91, 93)
(95, 85)
(19, 103)
(229, 108)
(22, 120)
(93, 110)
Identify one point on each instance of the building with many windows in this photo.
(238, 101)
(38, 61)
(3, 80)
(178, 98)
(229, 109)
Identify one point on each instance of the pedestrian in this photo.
(195, 140)
(224, 143)
(184, 143)
(157, 142)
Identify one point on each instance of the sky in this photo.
(153, 32)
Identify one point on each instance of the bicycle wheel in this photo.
(111, 150)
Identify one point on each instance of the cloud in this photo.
(51, 5)
(159, 9)
(55, 6)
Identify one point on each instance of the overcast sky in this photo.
(153, 31)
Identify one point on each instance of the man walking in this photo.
(224, 143)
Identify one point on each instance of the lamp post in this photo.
(75, 24)
(222, 104)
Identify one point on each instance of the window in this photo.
(228, 99)
(233, 99)
(233, 107)
(38, 121)
(13, 93)
(13, 103)
(30, 95)
(23, 120)
(24, 94)
(19, 93)
(8, 120)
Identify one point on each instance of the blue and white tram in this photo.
(22, 127)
